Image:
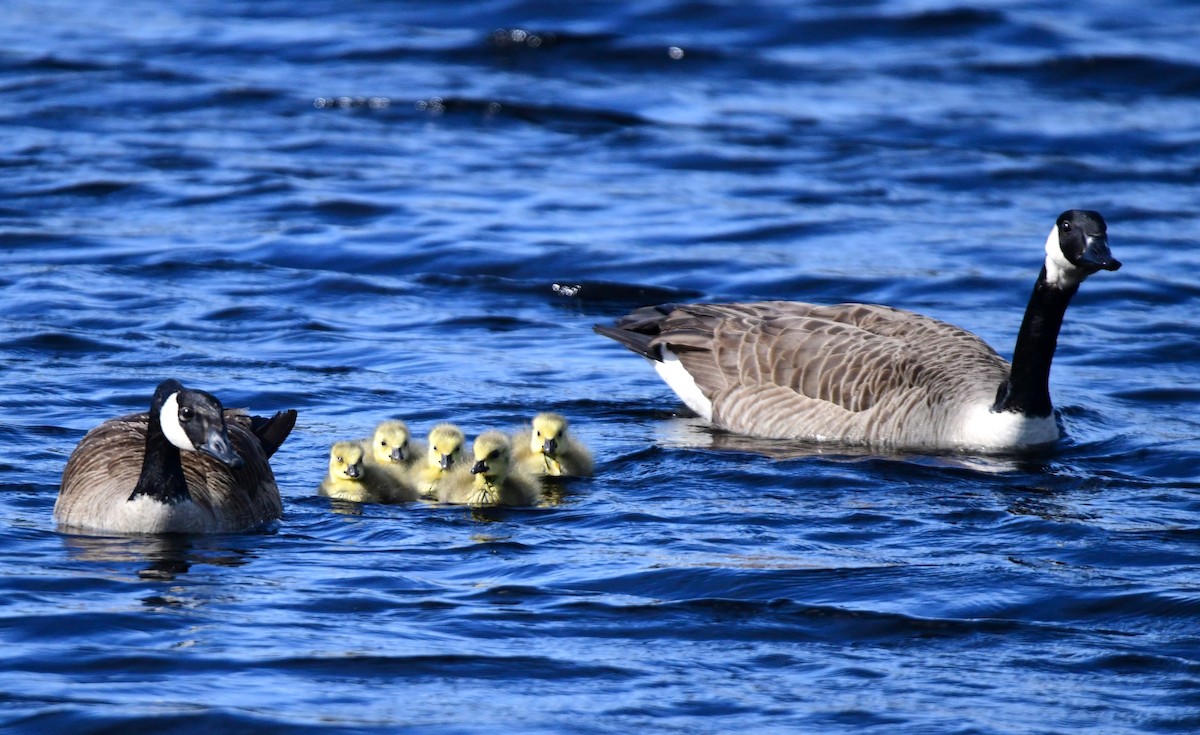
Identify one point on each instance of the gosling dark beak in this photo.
(1097, 256)
(217, 446)
(397, 454)
(480, 466)
(353, 471)
(446, 462)
(550, 446)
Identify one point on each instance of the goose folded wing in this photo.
(831, 356)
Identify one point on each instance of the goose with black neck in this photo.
(186, 466)
(870, 375)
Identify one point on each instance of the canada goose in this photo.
(351, 478)
(391, 451)
(446, 461)
(496, 481)
(871, 375)
(186, 466)
(547, 448)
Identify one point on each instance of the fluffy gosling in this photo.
(391, 452)
(445, 461)
(497, 481)
(547, 448)
(350, 478)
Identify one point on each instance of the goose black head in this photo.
(1078, 247)
(194, 421)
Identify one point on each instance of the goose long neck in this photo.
(1027, 390)
(162, 469)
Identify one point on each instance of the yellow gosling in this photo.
(350, 478)
(497, 480)
(445, 461)
(548, 448)
(390, 451)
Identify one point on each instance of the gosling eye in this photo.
(186, 413)
(383, 442)
(339, 459)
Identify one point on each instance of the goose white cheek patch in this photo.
(168, 417)
(1059, 271)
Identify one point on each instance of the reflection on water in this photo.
(345, 507)
(555, 491)
(158, 558)
(1045, 504)
(694, 433)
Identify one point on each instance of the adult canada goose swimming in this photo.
(871, 375)
(186, 466)
(351, 478)
(446, 461)
(496, 481)
(391, 451)
(547, 448)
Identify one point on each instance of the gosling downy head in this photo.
(547, 448)
(549, 431)
(493, 456)
(390, 442)
(446, 447)
(346, 461)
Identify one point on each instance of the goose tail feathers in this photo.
(637, 330)
(273, 431)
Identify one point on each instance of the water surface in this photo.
(363, 212)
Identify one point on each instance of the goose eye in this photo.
(1065, 225)
(186, 413)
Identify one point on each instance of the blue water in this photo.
(361, 209)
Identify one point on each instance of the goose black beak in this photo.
(549, 447)
(217, 446)
(446, 462)
(353, 471)
(397, 454)
(1096, 254)
(480, 466)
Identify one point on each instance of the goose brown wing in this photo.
(852, 356)
(104, 467)
(245, 497)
